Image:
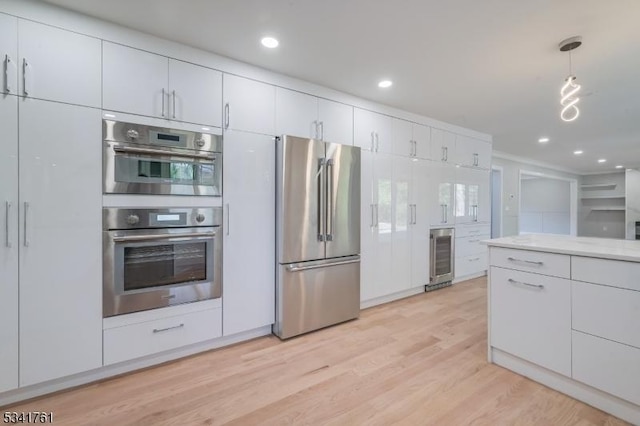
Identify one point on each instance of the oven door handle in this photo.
(135, 238)
(131, 150)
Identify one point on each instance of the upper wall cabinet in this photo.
(9, 54)
(372, 131)
(144, 83)
(443, 145)
(249, 105)
(410, 139)
(58, 65)
(303, 115)
(472, 152)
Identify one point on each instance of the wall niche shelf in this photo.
(608, 209)
(603, 197)
(596, 186)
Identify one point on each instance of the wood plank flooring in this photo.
(418, 361)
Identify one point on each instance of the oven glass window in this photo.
(166, 264)
(146, 170)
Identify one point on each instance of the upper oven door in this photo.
(131, 169)
(145, 269)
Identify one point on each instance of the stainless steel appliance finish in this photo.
(318, 228)
(442, 252)
(160, 257)
(139, 159)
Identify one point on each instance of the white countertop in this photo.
(604, 248)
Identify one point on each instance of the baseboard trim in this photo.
(594, 397)
(391, 297)
(67, 383)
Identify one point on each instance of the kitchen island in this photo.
(565, 312)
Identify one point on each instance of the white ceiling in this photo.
(490, 65)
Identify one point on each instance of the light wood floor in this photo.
(418, 361)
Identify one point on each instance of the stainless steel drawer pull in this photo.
(160, 330)
(513, 259)
(512, 281)
(152, 237)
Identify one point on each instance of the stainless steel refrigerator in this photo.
(318, 235)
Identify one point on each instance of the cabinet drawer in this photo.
(609, 366)
(607, 312)
(557, 265)
(469, 265)
(473, 231)
(146, 338)
(615, 273)
(531, 317)
(467, 246)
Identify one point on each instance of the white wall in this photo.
(511, 186)
(545, 206)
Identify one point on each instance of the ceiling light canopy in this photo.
(543, 140)
(270, 42)
(385, 83)
(569, 91)
(602, 160)
(578, 152)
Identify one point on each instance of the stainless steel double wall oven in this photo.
(167, 255)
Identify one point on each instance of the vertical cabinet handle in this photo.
(415, 148)
(321, 199)
(475, 159)
(226, 115)
(228, 219)
(377, 217)
(163, 101)
(25, 68)
(446, 153)
(443, 157)
(7, 79)
(373, 144)
(26, 216)
(377, 142)
(410, 148)
(442, 213)
(174, 103)
(415, 214)
(372, 216)
(6, 224)
(329, 199)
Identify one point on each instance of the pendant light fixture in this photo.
(569, 91)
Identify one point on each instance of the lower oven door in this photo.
(146, 269)
(167, 171)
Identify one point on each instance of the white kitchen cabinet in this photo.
(531, 317)
(443, 145)
(299, 114)
(335, 122)
(249, 105)
(472, 195)
(195, 93)
(441, 185)
(143, 83)
(472, 152)
(249, 249)
(9, 55)
(420, 223)
(60, 240)
(58, 65)
(402, 214)
(376, 224)
(410, 139)
(372, 131)
(9, 248)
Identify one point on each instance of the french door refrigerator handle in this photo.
(6, 225)
(321, 200)
(26, 215)
(329, 199)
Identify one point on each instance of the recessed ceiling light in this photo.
(543, 140)
(269, 42)
(578, 152)
(602, 160)
(385, 83)
(619, 167)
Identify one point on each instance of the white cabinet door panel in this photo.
(443, 145)
(296, 114)
(614, 273)
(470, 265)
(532, 322)
(367, 228)
(472, 195)
(441, 201)
(251, 105)
(402, 212)
(402, 137)
(9, 243)
(422, 138)
(420, 228)
(133, 81)
(59, 65)
(382, 190)
(372, 131)
(336, 122)
(60, 241)
(249, 249)
(195, 93)
(9, 54)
